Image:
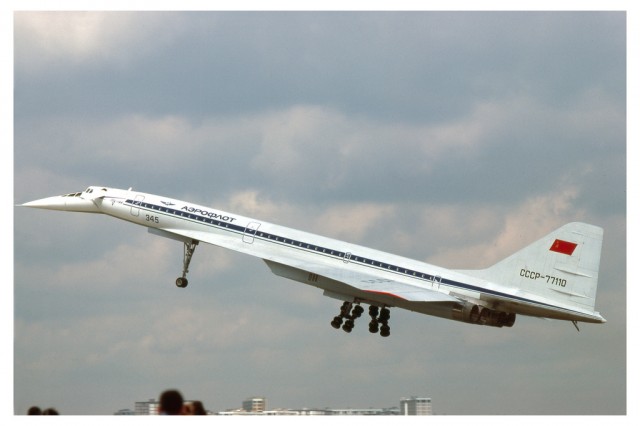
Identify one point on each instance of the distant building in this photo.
(256, 404)
(314, 412)
(124, 412)
(242, 412)
(149, 408)
(310, 411)
(362, 411)
(415, 406)
(146, 408)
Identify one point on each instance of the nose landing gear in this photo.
(189, 249)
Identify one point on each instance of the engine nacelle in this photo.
(475, 314)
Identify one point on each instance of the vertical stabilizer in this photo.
(562, 267)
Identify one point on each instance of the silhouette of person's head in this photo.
(197, 408)
(171, 402)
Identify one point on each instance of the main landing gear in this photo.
(189, 249)
(349, 312)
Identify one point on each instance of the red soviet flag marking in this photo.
(564, 247)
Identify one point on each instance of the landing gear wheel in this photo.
(182, 282)
(373, 311)
(385, 331)
(336, 323)
(357, 311)
(384, 315)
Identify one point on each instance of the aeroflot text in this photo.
(212, 215)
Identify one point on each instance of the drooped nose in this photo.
(70, 203)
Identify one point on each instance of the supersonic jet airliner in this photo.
(555, 277)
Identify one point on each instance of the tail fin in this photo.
(562, 267)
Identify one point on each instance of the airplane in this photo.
(555, 277)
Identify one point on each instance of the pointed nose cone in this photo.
(64, 203)
(51, 203)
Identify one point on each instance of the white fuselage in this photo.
(275, 244)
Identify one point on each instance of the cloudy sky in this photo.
(453, 138)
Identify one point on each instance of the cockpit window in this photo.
(73, 194)
(89, 190)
